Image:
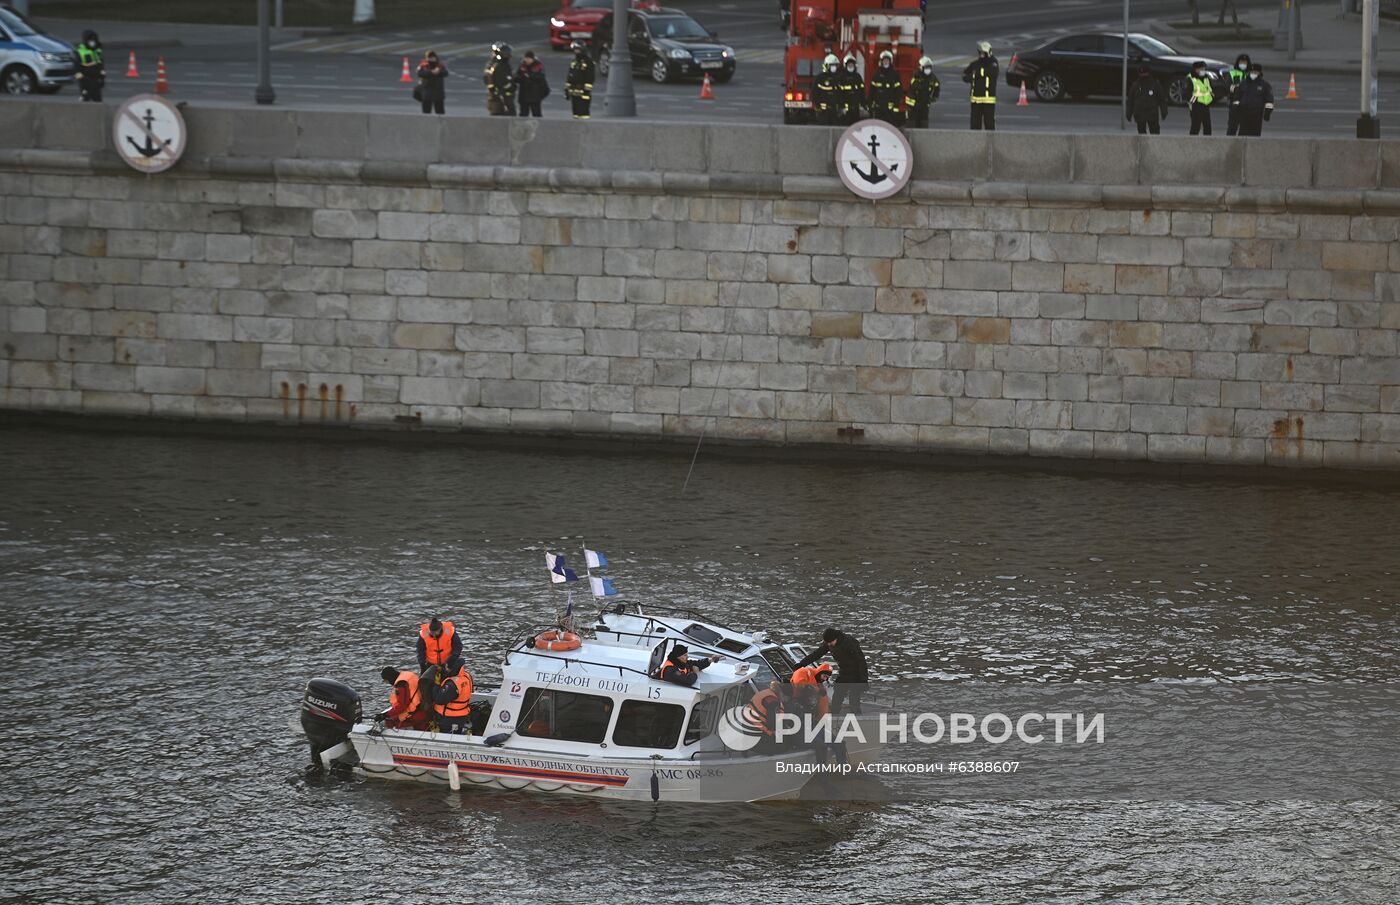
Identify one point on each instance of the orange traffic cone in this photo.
(706, 93)
(162, 85)
(1292, 87)
(131, 72)
(405, 77)
(1023, 102)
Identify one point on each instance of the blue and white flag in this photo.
(602, 587)
(557, 573)
(593, 559)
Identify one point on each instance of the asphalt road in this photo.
(361, 69)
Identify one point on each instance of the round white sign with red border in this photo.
(874, 159)
(149, 133)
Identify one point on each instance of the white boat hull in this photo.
(722, 777)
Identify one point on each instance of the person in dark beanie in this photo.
(92, 74)
(680, 669)
(530, 85)
(432, 90)
(854, 671)
(1254, 100)
(1147, 103)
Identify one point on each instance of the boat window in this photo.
(779, 662)
(762, 673)
(646, 724)
(565, 715)
(733, 697)
(702, 720)
(703, 634)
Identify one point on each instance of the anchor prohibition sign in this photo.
(149, 133)
(874, 159)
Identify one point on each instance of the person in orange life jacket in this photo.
(437, 643)
(809, 683)
(406, 709)
(452, 697)
(855, 671)
(680, 669)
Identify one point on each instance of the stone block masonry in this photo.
(1235, 324)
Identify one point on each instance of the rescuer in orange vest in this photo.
(452, 698)
(437, 643)
(406, 710)
(809, 682)
(680, 669)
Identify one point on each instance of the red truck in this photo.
(816, 28)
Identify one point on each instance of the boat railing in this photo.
(654, 639)
(525, 648)
(652, 620)
(695, 615)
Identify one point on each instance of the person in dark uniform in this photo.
(531, 87)
(680, 669)
(852, 91)
(92, 74)
(500, 86)
(981, 75)
(1147, 103)
(1255, 101)
(578, 87)
(432, 90)
(887, 91)
(923, 91)
(1233, 77)
(854, 670)
(826, 91)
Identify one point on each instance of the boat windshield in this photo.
(702, 720)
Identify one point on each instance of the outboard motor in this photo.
(328, 711)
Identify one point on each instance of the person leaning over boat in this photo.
(405, 701)
(437, 643)
(680, 669)
(452, 697)
(854, 670)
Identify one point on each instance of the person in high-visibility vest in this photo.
(91, 74)
(1235, 76)
(981, 74)
(1202, 94)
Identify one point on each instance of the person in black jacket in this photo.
(579, 84)
(886, 98)
(981, 75)
(432, 91)
(854, 670)
(92, 74)
(1147, 103)
(500, 86)
(530, 84)
(852, 92)
(1254, 99)
(923, 91)
(680, 669)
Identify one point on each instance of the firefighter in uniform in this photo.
(981, 74)
(92, 75)
(852, 91)
(887, 91)
(1202, 94)
(500, 86)
(826, 91)
(923, 91)
(578, 87)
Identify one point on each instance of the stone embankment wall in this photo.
(1179, 300)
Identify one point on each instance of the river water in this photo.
(166, 597)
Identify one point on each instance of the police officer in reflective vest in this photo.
(981, 74)
(437, 643)
(500, 86)
(578, 86)
(452, 698)
(826, 91)
(92, 75)
(923, 91)
(1201, 96)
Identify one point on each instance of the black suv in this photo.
(668, 44)
(1081, 65)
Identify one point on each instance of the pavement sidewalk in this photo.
(1331, 41)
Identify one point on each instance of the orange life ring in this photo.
(558, 641)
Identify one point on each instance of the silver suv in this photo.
(30, 60)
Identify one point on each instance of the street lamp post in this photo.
(620, 101)
(264, 93)
(1369, 124)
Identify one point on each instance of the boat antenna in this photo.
(724, 357)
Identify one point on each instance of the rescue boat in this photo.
(583, 713)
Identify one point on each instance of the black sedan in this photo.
(1078, 66)
(667, 44)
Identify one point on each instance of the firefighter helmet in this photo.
(831, 63)
(886, 55)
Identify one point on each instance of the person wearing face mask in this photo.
(1235, 75)
(579, 84)
(852, 91)
(1201, 97)
(1147, 103)
(826, 91)
(981, 74)
(500, 86)
(923, 91)
(887, 91)
(432, 90)
(1254, 101)
(92, 75)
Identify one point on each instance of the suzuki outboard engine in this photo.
(328, 710)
